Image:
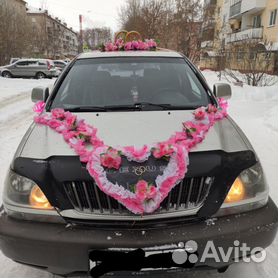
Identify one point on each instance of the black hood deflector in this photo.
(50, 174)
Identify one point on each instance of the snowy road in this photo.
(255, 109)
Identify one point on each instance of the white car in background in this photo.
(27, 68)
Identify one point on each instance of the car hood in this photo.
(132, 129)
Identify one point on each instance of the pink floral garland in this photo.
(144, 197)
(121, 45)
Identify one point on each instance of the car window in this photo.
(126, 81)
(22, 63)
(32, 63)
(42, 63)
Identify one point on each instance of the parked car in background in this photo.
(60, 64)
(37, 68)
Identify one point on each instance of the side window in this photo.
(22, 63)
(42, 63)
(32, 63)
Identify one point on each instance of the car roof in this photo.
(159, 53)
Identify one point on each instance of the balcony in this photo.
(246, 6)
(235, 9)
(249, 34)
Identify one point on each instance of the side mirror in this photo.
(222, 90)
(40, 94)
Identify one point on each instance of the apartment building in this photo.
(20, 6)
(210, 34)
(245, 30)
(54, 39)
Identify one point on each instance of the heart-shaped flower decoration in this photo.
(142, 197)
(145, 198)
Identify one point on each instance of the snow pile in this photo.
(15, 96)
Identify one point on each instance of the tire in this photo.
(40, 75)
(7, 74)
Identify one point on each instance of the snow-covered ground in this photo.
(254, 109)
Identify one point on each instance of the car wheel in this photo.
(40, 75)
(7, 74)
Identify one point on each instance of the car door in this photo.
(32, 68)
(19, 69)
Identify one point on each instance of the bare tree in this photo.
(15, 32)
(175, 23)
(188, 27)
(250, 63)
(93, 38)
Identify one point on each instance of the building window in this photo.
(234, 2)
(240, 55)
(257, 20)
(273, 15)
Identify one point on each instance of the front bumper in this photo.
(64, 250)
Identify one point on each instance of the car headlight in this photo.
(23, 192)
(249, 191)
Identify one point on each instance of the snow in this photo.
(254, 109)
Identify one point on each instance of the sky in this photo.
(96, 13)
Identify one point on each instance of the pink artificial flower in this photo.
(223, 103)
(96, 142)
(70, 120)
(190, 128)
(141, 190)
(142, 45)
(58, 113)
(135, 45)
(85, 131)
(110, 47)
(163, 149)
(128, 46)
(152, 191)
(68, 135)
(199, 113)
(180, 136)
(144, 191)
(212, 108)
(152, 44)
(111, 159)
(39, 107)
(54, 124)
(120, 44)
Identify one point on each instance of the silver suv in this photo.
(54, 215)
(36, 68)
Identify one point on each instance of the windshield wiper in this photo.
(148, 105)
(85, 109)
(140, 106)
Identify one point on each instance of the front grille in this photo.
(188, 195)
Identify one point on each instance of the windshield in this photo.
(126, 82)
